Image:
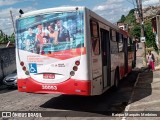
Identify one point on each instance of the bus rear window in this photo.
(51, 32)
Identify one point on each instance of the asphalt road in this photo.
(71, 107)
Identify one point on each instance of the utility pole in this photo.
(140, 12)
(13, 27)
(12, 22)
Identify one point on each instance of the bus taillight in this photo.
(77, 63)
(22, 63)
(24, 68)
(27, 72)
(42, 52)
(72, 73)
(75, 68)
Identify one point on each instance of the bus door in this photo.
(125, 54)
(106, 66)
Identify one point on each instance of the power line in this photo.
(134, 4)
(131, 3)
(12, 22)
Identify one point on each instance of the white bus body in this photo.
(92, 56)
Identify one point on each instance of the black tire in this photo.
(133, 64)
(11, 87)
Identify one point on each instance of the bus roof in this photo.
(55, 9)
(71, 8)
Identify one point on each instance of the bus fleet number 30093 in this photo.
(49, 87)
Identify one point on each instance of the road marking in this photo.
(131, 99)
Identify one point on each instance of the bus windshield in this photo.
(51, 32)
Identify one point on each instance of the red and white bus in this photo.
(70, 50)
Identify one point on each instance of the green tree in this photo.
(123, 18)
(2, 37)
(12, 38)
(150, 37)
(130, 18)
(136, 31)
(5, 38)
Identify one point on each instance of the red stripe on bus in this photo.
(66, 54)
(70, 86)
(122, 72)
(129, 69)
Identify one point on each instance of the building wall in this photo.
(7, 61)
(158, 30)
(3, 45)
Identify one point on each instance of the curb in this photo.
(130, 100)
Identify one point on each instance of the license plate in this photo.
(48, 76)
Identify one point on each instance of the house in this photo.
(156, 27)
(123, 26)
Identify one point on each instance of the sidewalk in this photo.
(146, 96)
(146, 93)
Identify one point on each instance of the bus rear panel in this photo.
(51, 58)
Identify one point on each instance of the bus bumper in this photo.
(70, 87)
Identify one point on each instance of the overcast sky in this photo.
(109, 9)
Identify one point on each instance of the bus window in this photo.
(113, 35)
(113, 43)
(120, 43)
(95, 37)
(117, 37)
(94, 29)
(130, 45)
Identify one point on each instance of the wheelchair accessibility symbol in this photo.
(32, 67)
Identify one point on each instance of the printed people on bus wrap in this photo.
(30, 40)
(53, 35)
(39, 38)
(45, 39)
(28, 43)
(63, 33)
(151, 60)
(45, 29)
(40, 34)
